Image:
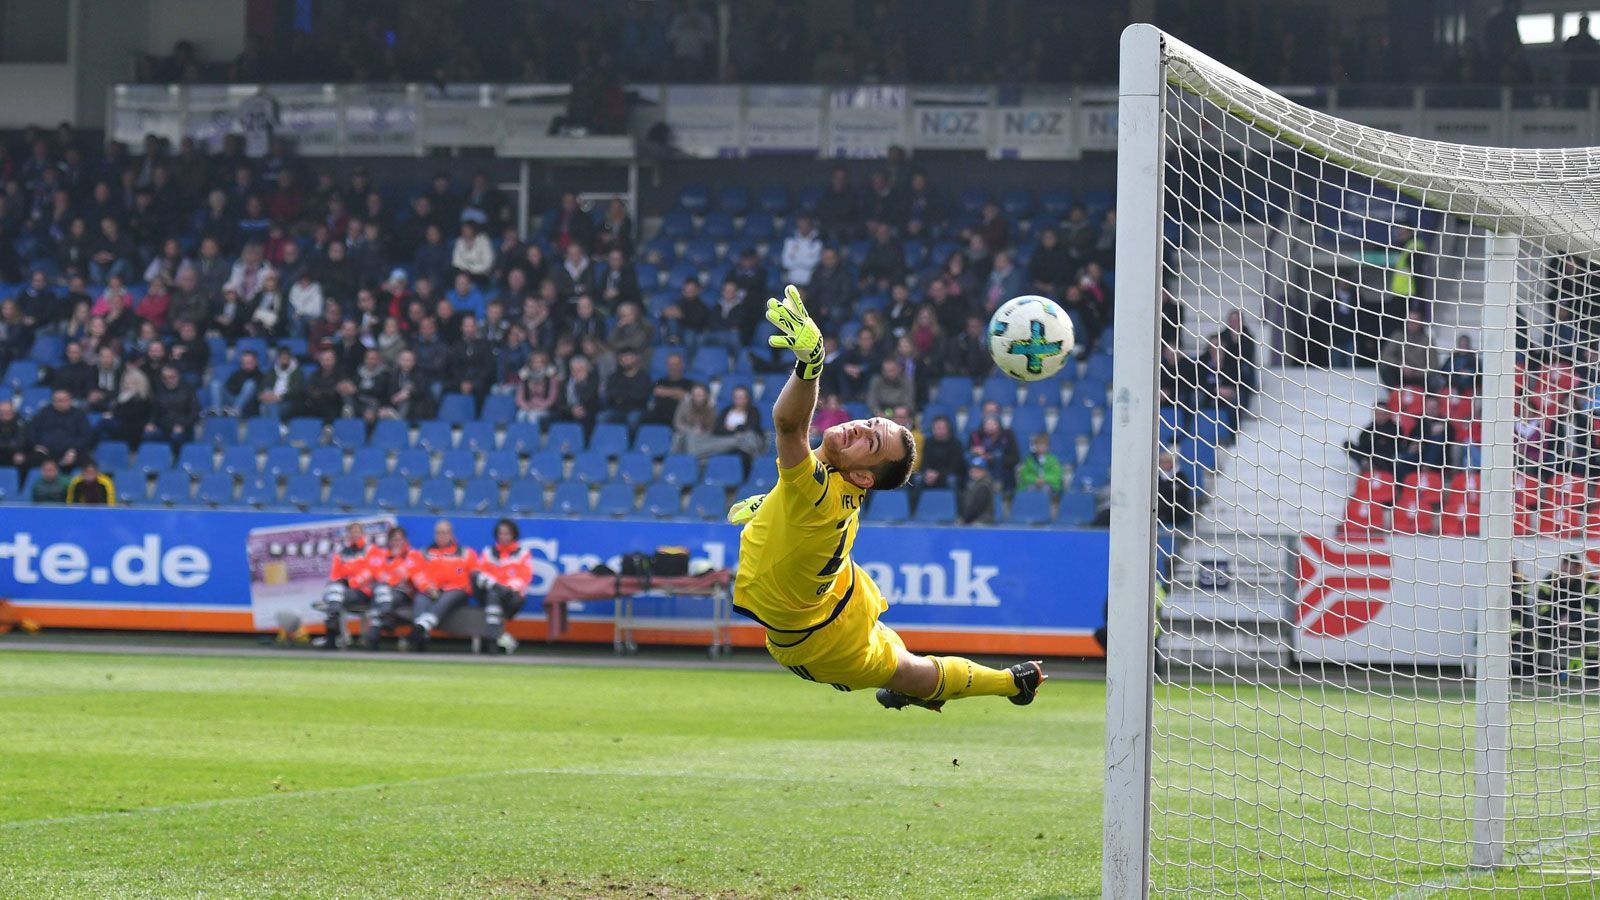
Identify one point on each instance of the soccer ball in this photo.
(1030, 337)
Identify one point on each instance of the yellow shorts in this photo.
(852, 652)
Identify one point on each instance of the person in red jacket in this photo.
(443, 582)
(505, 570)
(393, 566)
(349, 586)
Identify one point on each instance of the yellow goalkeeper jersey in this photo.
(794, 554)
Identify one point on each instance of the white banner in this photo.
(705, 119)
(139, 109)
(1410, 600)
(1549, 128)
(783, 119)
(1463, 126)
(863, 122)
(380, 121)
(461, 115)
(1034, 132)
(1097, 126)
(950, 127)
(308, 115)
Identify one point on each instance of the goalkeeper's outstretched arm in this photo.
(797, 402)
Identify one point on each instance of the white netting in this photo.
(1327, 399)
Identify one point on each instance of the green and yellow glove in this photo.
(745, 509)
(800, 334)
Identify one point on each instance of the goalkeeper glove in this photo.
(745, 509)
(799, 333)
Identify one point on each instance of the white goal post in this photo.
(1354, 615)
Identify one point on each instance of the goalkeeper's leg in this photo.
(934, 680)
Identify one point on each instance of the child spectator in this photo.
(1041, 469)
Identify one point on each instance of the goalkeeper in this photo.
(796, 577)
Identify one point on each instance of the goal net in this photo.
(1355, 608)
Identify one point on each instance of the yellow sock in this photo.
(960, 677)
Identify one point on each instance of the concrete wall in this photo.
(216, 27)
(37, 93)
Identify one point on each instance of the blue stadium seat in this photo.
(1044, 394)
(1001, 390)
(32, 400)
(1211, 427)
(889, 507)
(369, 463)
(759, 227)
(502, 466)
(48, 349)
(438, 495)
(435, 436)
(413, 464)
(724, 470)
(1076, 420)
(256, 345)
(1026, 421)
(1077, 510)
(458, 465)
(660, 250)
(591, 468)
(708, 502)
(680, 273)
(303, 491)
(954, 391)
(389, 434)
(348, 492)
(525, 498)
(545, 467)
(478, 437)
(614, 500)
(498, 409)
(304, 431)
(711, 360)
(21, 375)
(565, 438)
(153, 457)
(392, 494)
(262, 432)
(240, 461)
(1016, 202)
(172, 488)
(296, 346)
(570, 499)
(216, 489)
(112, 456)
(1055, 203)
(1089, 393)
(1030, 508)
(763, 477)
(718, 227)
(218, 432)
(770, 386)
(1091, 476)
(481, 495)
(283, 461)
(680, 469)
(649, 276)
(701, 253)
(773, 199)
(609, 439)
(972, 199)
(1099, 367)
(259, 491)
(935, 507)
(653, 440)
(348, 434)
(457, 408)
(522, 438)
(325, 462)
(9, 488)
(635, 468)
(696, 198)
(806, 198)
(664, 501)
(733, 199)
(677, 225)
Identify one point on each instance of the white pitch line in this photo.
(1528, 858)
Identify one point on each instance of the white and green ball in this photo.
(1030, 337)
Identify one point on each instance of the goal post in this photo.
(1354, 612)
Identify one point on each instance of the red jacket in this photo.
(508, 565)
(394, 569)
(446, 569)
(351, 566)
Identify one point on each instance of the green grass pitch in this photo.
(150, 775)
(174, 776)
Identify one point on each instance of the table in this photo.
(623, 590)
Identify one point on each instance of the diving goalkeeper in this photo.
(796, 577)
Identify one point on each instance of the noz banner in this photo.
(974, 589)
